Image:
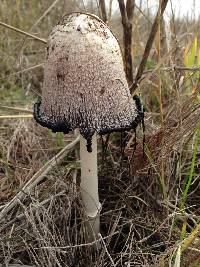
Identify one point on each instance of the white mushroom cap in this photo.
(85, 85)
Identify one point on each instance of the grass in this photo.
(192, 171)
(150, 212)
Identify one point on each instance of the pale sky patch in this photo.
(181, 8)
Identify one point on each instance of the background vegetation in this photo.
(150, 212)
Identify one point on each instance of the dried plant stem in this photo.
(23, 32)
(22, 215)
(110, 11)
(37, 177)
(96, 242)
(25, 116)
(148, 45)
(150, 73)
(103, 12)
(40, 19)
(44, 14)
(106, 250)
(17, 265)
(22, 71)
(175, 68)
(188, 241)
(16, 109)
(162, 181)
(127, 17)
(159, 73)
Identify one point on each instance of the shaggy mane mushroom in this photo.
(85, 88)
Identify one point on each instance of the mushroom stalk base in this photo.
(89, 188)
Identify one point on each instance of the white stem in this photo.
(89, 187)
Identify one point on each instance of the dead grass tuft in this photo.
(144, 220)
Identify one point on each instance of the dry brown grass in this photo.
(141, 219)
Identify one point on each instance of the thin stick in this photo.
(102, 8)
(37, 178)
(148, 45)
(150, 74)
(162, 177)
(23, 32)
(106, 250)
(25, 116)
(127, 17)
(40, 18)
(175, 68)
(110, 11)
(159, 74)
(22, 71)
(80, 245)
(16, 109)
(44, 14)
(17, 265)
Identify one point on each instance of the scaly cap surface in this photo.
(84, 80)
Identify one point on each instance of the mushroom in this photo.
(85, 88)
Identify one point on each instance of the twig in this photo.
(22, 215)
(44, 14)
(17, 265)
(102, 8)
(40, 19)
(80, 245)
(16, 109)
(25, 116)
(110, 11)
(175, 68)
(127, 17)
(22, 71)
(148, 45)
(143, 14)
(23, 32)
(37, 177)
(142, 80)
(157, 229)
(106, 250)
